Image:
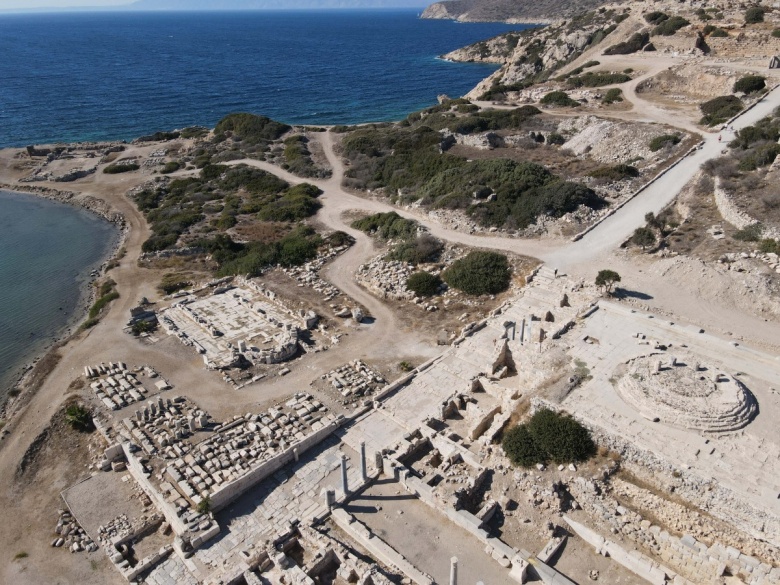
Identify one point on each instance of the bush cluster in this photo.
(479, 273)
(670, 26)
(422, 249)
(614, 94)
(423, 284)
(558, 98)
(117, 168)
(297, 158)
(250, 128)
(719, 109)
(597, 79)
(754, 15)
(663, 141)
(388, 226)
(635, 43)
(159, 137)
(548, 436)
(615, 173)
(251, 259)
(750, 84)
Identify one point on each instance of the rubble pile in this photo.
(354, 379)
(71, 535)
(162, 425)
(240, 445)
(116, 386)
(387, 279)
(309, 274)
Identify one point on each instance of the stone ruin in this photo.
(686, 394)
(238, 324)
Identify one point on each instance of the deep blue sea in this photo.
(118, 75)
(110, 75)
(47, 251)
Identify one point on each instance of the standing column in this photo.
(454, 571)
(344, 483)
(363, 470)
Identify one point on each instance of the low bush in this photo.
(718, 33)
(598, 79)
(614, 94)
(750, 84)
(656, 17)
(555, 138)
(751, 233)
(388, 226)
(170, 167)
(424, 248)
(479, 273)
(719, 109)
(632, 45)
(548, 436)
(663, 141)
(251, 129)
(762, 156)
(79, 418)
(117, 168)
(423, 284)
(754, 15)
(615, 173)
(669, 27)
(776, 33)
(769, 246)
(643, 236)
(558, 98)
(160, 137)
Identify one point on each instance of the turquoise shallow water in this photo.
(47, 251)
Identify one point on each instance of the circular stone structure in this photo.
(685, 394)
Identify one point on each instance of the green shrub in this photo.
(707, 30)
(296, 203)
(159, 137)
(663, 141)
(79, 418)
(555, 138)
(173, 282)
(615, 173)
(751, 233)
(769, 246)
(424, 248)
(750, 84)
(597, 79)
(718, 33)
(204, 506)
(643, 237)
(669, 27)
(558, 98)
(754, 14)
(656, 17)
(251, 129)
(766, 130)
(479, 273)
(614, 94)
(170, 167)
(719, 109)
(117, 168)
(194, 132)
(388, 226)
(776, 33)
(548, 436)
(520, 447)
(632, 45)
(423, 284)
(761, 156)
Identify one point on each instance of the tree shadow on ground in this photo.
(624, 293)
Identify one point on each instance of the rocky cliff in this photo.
(533, 55)
(537, 11)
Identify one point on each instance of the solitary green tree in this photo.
(643, 236)
(607, 279)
